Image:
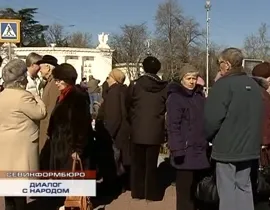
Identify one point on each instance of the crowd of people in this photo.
(47, 122)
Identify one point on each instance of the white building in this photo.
(96, 62)
(131, 71)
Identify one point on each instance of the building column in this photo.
(79, 68)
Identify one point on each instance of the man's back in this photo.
(147, 110)
(234, 115)
(93, 85)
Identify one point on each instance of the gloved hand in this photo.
(179, 160)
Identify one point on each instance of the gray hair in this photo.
(14, 74)
(233, 55)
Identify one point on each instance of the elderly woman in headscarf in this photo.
(186, 139)
(20, 112)
(115, 115)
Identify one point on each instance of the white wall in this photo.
(101, 65)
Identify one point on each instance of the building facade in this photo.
(96, 62)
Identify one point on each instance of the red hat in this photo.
(262, 70)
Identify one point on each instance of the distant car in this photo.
(249, 64)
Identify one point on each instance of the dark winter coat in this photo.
(69, 129)
(115, 119)
(234, 118)
(185, 127)
(266, 100)
(147, 101)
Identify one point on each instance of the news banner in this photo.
(48, 184)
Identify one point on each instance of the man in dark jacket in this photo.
(94, 91)
(233, 120)
(147, 98)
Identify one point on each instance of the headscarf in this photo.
(118, 76)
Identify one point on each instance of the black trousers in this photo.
(186, 184)
(144, 171)
(15, 203)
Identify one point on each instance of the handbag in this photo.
(263, 180)
(80, 202)
(206, 190)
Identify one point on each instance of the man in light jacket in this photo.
(32, 73)
(49, 97)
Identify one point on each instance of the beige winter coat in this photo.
(20, 113)
(49, 97)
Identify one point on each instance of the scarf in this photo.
(64, 93)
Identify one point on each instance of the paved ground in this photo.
(124, 202)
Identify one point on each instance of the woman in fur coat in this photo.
(69, 129)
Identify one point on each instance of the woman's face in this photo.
(189, 81)
(60, 84)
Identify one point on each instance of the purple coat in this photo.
(185, 112)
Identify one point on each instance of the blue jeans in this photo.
(94, 97)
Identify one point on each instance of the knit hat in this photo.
(118, 76)
(14, 70)
(187, 68)
(151, 65)
(65, 72)
(262, 70)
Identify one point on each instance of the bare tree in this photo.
(258, 45)
(190, 37)
(168, 17)
(176, 35)
(130, 47)
(57, 35)
(80, 40)
(198, 59)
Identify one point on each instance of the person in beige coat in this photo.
(49, 97)
(20, 112)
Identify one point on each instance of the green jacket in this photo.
(234, 118)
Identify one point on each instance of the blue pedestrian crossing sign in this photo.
(10, 30)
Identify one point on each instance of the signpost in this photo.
(10, 32)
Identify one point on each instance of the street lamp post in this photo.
(207, 7)
(148, 45)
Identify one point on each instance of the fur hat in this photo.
(151, 65)
(187, 68)
(65, 72)
(118, 76)
(262, 70)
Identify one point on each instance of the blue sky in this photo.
(231, 20)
